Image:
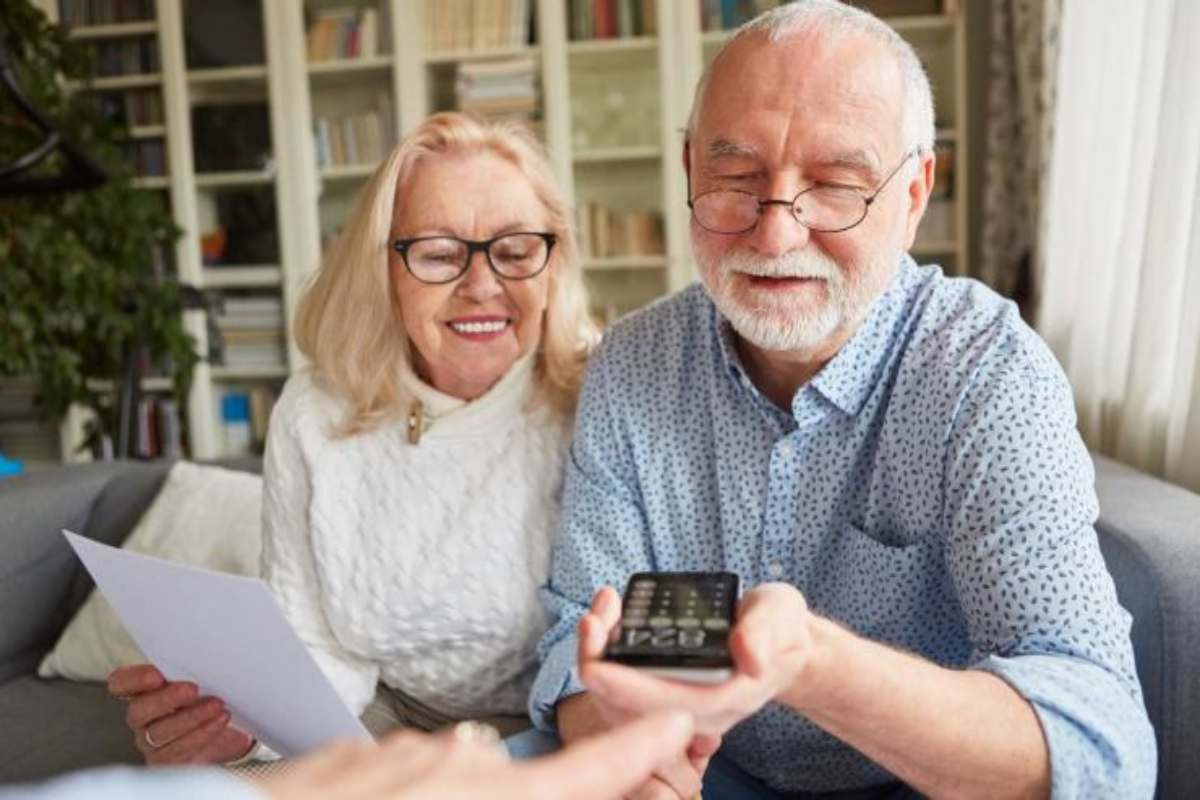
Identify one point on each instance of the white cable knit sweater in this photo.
(417, 565)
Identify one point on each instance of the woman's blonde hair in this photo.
(348, 322)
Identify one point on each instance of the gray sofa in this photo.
(1149, 531)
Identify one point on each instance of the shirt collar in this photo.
(852, 374)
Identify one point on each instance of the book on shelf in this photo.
(133, 56)
(343, 33)
(146, 158)
(605, 232)
(611, 19)
(902, 8)
(360, 138)
(131, 107)
(249, 408)
(723, 15)
(158, 432)
(476, 24)
(104, 12)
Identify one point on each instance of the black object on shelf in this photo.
(80, 170)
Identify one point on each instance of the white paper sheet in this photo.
(227, 634)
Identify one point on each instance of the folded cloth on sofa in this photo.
(204, 516)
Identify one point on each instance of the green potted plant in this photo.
(78, 283)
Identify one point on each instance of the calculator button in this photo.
(634, 620)
(644, 584)
(714, 624)
(660, 622)
(687, 622)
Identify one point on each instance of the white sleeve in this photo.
(288, 564)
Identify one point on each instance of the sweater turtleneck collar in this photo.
(441, 414)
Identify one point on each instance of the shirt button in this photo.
(775, 570)
(785, 449)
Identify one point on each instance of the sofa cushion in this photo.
(51, 727)
(38, 570)
(205, 516)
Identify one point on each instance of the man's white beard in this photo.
(778, 320)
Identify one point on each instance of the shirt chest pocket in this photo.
(878, 588)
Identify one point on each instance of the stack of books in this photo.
(476, 24)
(605, 232)
(23, 435)
(251, 330)
(356, 139)
(611, 19)
(343, 33)
(504, 89)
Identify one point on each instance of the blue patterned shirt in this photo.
(928, 490)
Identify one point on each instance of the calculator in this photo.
(676, 624)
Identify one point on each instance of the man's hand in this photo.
(772, 646)
(410, 765)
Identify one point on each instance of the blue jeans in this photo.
(723, 780)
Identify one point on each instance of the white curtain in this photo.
(1119, 266)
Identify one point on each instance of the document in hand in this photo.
(227, 634)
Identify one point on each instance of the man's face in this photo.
(777, 119)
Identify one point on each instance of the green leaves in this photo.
(77, 276)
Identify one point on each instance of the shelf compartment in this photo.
(143, 28)
(224, 180)
(242, 277)
(457, 56)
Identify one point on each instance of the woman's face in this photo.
(466, 334)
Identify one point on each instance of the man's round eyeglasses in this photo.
(443, 259)
(823, 208)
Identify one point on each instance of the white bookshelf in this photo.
(645, 82)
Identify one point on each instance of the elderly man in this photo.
(887, 455)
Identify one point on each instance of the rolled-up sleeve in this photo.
(601, 540)
(1040, 605)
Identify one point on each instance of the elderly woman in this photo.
(412, 473)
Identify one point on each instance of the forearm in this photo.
(947, 733)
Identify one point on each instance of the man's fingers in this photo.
(586, 771)
(125, 682)
(628, 690)
(607, 606)
(592, 638)
(151, 706)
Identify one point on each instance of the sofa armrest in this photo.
(1150, 535)
(41, 581)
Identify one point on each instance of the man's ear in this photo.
(919, 187)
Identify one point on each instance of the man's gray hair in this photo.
(836, 18)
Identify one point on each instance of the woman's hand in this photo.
(171, 723)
